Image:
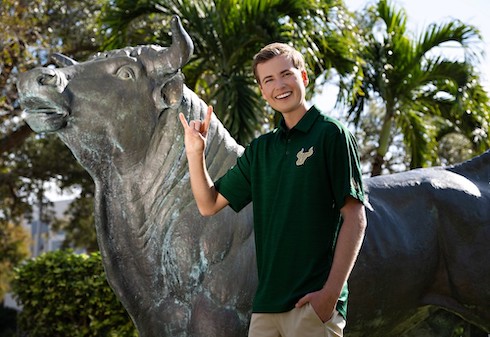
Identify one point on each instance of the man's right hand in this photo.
(196, 133)
(208, 200)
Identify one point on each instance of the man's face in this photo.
(282, 85)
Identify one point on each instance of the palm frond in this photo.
(418, 137)
(237, 105)
(422, 88)
(467, 36)
(395, 19)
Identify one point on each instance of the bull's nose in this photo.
(48, 77)
(42, 78)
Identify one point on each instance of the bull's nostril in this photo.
(47, 79)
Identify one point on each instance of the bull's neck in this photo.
(170, 173)
(136, 209)
(160, 181)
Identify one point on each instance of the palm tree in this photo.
(424, 94)
(226, 35)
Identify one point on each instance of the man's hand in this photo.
(208, 200)
(196, 132)
(322, 303)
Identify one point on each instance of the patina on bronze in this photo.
(179, 274)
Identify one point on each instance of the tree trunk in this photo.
(384, 141)
(378, 162)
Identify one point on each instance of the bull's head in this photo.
(111, 102)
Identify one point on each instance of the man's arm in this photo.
(349, 243)
(208, 200)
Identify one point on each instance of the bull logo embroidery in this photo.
(302, 156)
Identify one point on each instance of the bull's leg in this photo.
(212, 320)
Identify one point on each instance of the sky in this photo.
(421, 13)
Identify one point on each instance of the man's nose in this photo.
(280, 83)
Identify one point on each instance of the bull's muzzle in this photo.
(40, 92)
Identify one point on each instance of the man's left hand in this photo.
(321, 302)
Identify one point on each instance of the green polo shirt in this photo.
(298, 180)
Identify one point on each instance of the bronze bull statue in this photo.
(179, 274)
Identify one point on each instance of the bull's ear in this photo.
(169, 94)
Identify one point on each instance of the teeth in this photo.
(287, 94)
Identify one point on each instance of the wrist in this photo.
(330, 294)
(195, 156)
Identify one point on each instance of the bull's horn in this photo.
(62, 60)
(179, 53)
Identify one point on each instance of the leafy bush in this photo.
(65, 294)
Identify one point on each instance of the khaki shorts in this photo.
(299, 322)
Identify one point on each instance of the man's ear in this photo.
(304, 76)
(261, 91)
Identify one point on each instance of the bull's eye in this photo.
(126, 73)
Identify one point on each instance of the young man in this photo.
(304, 179)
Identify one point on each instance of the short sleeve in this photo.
(235, 185)
(345, 168)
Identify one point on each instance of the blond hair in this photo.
(276, 49)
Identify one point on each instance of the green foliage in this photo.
(65, 294)
(14, 248)
(41, 159)
(226, 35)
(425, 94)
(31, 30)
(79, 228)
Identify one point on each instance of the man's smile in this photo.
(284, 95)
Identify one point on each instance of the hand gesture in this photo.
(196, 132)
